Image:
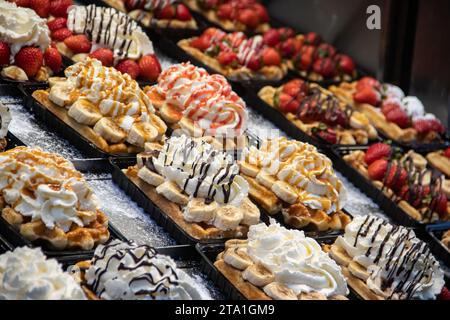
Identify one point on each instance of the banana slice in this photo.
(109, 130)
(258, 275)
(358, 271)
(54, 80)
(5, 120)
(42, 75)
(158, 123)
(198, 211)
(143, 17)
(190, 127)
(172, 193)
(84, 112)
(237, 258)
(150, 177)
(248, 169)
(285, 192)
(151, 146)
(340, 255)
(251, 212)
(233, 243)
(170, 114)
(142, 132)
(358, 120)
(79, 57)
(265, 179)
(64, 50)
(15, 73)
(60, 93)
(279, 291)
(228, 218)
(372, 132)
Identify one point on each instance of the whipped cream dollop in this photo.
(306, 170)
(112, 29)
(401, 266)
(295, 260)
(127, 271)
(208, 100)
(21, 27)
(201, 171)
(392, 91)
(46, 187)
(26, 274)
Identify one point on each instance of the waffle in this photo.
(78, 271)
(245, 287)
(361, 134)
(228, 25)
(439, 161)
(391, 130)
(241, 73)
(446, 239)
(356, 160)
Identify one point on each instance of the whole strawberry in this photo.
(129, 66)
(377, 151)
(57, 24)
(78, 44)
(445, 294)
(41, 7)
(367, 95)
(61, 34)
(149, 67)
(58, 8)
(377, 169)
(183, 13)
(105, 55)
(5, 52)
(53, 59)
(447, 152)
(325, 67)
(30, 59)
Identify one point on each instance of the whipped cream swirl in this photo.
(201, 171)
(46, 187)
(26, 274)
(401, 266)
(21, 27)
(112, 29)
(127, 271)
(295, 260)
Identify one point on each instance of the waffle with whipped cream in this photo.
(127, 271)
(293, 178)
(197, 186)
(280, 264)
(105, 106)
(382, 261)
(45, 198)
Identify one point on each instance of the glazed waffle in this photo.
(251, 291)
(241, 73)
(438, 160)
(361, 134)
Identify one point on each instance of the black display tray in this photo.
(55, 124)
(4, 245)
(13, 141)
(440, 251)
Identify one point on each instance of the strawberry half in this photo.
(377, 169)
(227, 58)
(57, 24)
(78, 44)
(377, 151)
(61, 34)
(201, 43)
(286, 103)
(399, 117)
(367, 95)
(368, 82)
(105, 55)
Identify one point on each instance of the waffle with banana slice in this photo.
(45, 198)
(293, 178)
(197, 186)
(105, 106)
(311, 107)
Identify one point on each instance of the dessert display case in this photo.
(218, 149)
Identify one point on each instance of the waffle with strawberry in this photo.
(235, 55)
(156, 13)
(310, 56)
(318, 113)
(399, 118)
(440, 160)
(405, 178)
(233, 15)
(25, 52)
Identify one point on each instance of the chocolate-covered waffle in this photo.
(197, 186)
(45, 198)
(280, 264)
(319, 113)
(382, 261)
(293, 178)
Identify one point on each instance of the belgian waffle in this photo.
(446, 239)
(438, 160)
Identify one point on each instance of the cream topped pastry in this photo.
(297, 173)
(207, 100)
(399, 265)
(21, 27)
(26, 274)
(109, 101)
(127, 271)
(47, 198)
(206, 182)
(112, 29)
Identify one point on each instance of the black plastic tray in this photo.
(13, 141)
(55, 124)
(437, 247)
(4, 245)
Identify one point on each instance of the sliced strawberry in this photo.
(313, 39)
(58, 8)
(261, 12)
(368, 82)
(30, 59)
(389, 105)
(149, 67)
(255, 63)
(227, 58)
(105, 55)
(367, 95)
(396, 177)
(439, 204)
(5, 52)
(377, 151)
(399, 117)
(248, 18)
(288, 47)
(447, 152)
(41, 7)
(377, 169)
(21, 3)
(78, 44)
(61, 34)
(224, 11)
(201, 43)
(57, 24)
(129, 66)
(167, 12)
(53, 59)
(271, 57)
(325, 67)
(271, 37)
(286, 103)
(296, 88)
(183, 13)
(346, 64)
(329, 135)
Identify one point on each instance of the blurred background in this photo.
(411, 49)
